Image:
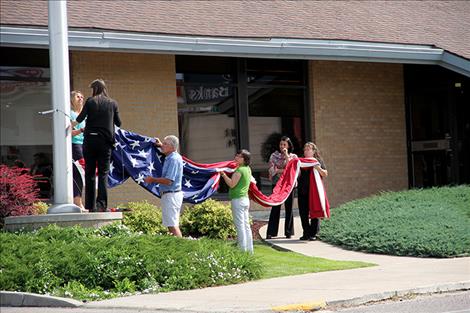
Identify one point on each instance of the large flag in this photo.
(319, 206)
(136, 156)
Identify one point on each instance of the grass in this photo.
(431, 222)
(277, 263)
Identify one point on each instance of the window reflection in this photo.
(274, 112)
(208, 91)
(26, 136)
(206, 118)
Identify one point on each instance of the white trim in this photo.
(286, 48)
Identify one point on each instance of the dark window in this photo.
(219, 99)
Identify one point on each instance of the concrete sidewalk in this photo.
(392, 276)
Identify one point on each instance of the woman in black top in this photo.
(102, 114)
(311, 227)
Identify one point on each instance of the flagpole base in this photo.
(64, 208)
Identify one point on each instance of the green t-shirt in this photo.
(241, 189)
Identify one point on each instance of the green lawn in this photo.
(431, 222)
(277, 263)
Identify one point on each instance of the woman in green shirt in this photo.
(239, 184)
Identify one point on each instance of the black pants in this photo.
(77, 154)
(310, 227)
(275, 215)
(97, 153)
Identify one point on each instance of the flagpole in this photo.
(62, 147)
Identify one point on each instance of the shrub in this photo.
(431, 222)
(144, 217)
(18, 192)
(89, 264)
(211, 219)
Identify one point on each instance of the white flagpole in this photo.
(62, 148)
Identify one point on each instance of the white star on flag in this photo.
(143, 154)
(111, 167)
(134, 162)
(188, 183)
(135, 144)
(151, 168)
(140, 179)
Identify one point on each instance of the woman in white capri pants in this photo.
(239, 184)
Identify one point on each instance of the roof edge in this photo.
(285, 48)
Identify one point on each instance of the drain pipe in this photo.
(62, 130)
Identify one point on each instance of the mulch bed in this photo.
(255, 229)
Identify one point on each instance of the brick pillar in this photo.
(358, 115)
(144, 85)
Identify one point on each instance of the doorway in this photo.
(438, 109)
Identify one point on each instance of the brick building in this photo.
(382, 87)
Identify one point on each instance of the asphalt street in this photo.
(456, 302)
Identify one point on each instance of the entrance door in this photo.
(439, 125)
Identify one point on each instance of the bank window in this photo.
(209, 94)
(26, 136)
(206, 94)
(276, 94)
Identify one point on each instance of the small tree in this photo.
(18, 192)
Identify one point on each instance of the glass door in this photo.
(439, 126)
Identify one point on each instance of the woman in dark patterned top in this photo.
(277, 163)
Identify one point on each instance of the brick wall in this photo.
(358, 115)
(144, 86)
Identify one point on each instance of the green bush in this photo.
(144, 217)
(90, 264)
(212, 219)
(422, 222)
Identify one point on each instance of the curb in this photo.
(25, 299)
(322, 304)
(311, 306)
(460, 286)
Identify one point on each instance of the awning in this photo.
(282, 48)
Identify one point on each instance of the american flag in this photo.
(136, 156)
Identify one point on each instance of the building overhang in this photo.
(282, 48)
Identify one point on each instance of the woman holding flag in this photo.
(310, 211)
(277, 164)
(239, 184)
